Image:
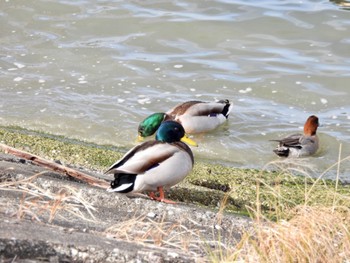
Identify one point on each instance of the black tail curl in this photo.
(225, 110)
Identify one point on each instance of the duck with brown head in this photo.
(298, 145)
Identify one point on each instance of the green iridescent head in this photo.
(151, 124)
(172, 131)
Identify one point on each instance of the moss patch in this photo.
(278, 191)
(207, 185)
(52, 147)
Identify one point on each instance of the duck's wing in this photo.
(200, 108)
(182, 108)
(290, 141)
(142, 158)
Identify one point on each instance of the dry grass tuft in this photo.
(304, 232)
(143, 229)
(40, 204)
(314, 234)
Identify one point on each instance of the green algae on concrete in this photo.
(208, 183)
(53, 147)
(277, 190)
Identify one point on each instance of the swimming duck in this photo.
(194, 116)
(298, 145)
(156, 164)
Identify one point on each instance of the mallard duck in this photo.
(194, 116)
(298, 145)
(156, 164)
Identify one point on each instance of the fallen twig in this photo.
(55, 166)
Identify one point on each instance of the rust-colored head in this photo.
(311, 125)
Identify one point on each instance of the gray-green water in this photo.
(93, 69)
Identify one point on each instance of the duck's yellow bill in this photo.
(140, 138)
(189, 141)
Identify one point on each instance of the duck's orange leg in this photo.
(161, 196)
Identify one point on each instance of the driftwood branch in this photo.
(55, 166)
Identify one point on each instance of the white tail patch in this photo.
(119, 188)
(229, 109)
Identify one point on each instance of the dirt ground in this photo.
(47, 217)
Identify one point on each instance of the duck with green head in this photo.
(194, 116)
(156, 164)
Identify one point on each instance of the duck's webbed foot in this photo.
(160, 198)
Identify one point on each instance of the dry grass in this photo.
(298, 232)
(143, 229)
(314, 234)
(40, 204)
